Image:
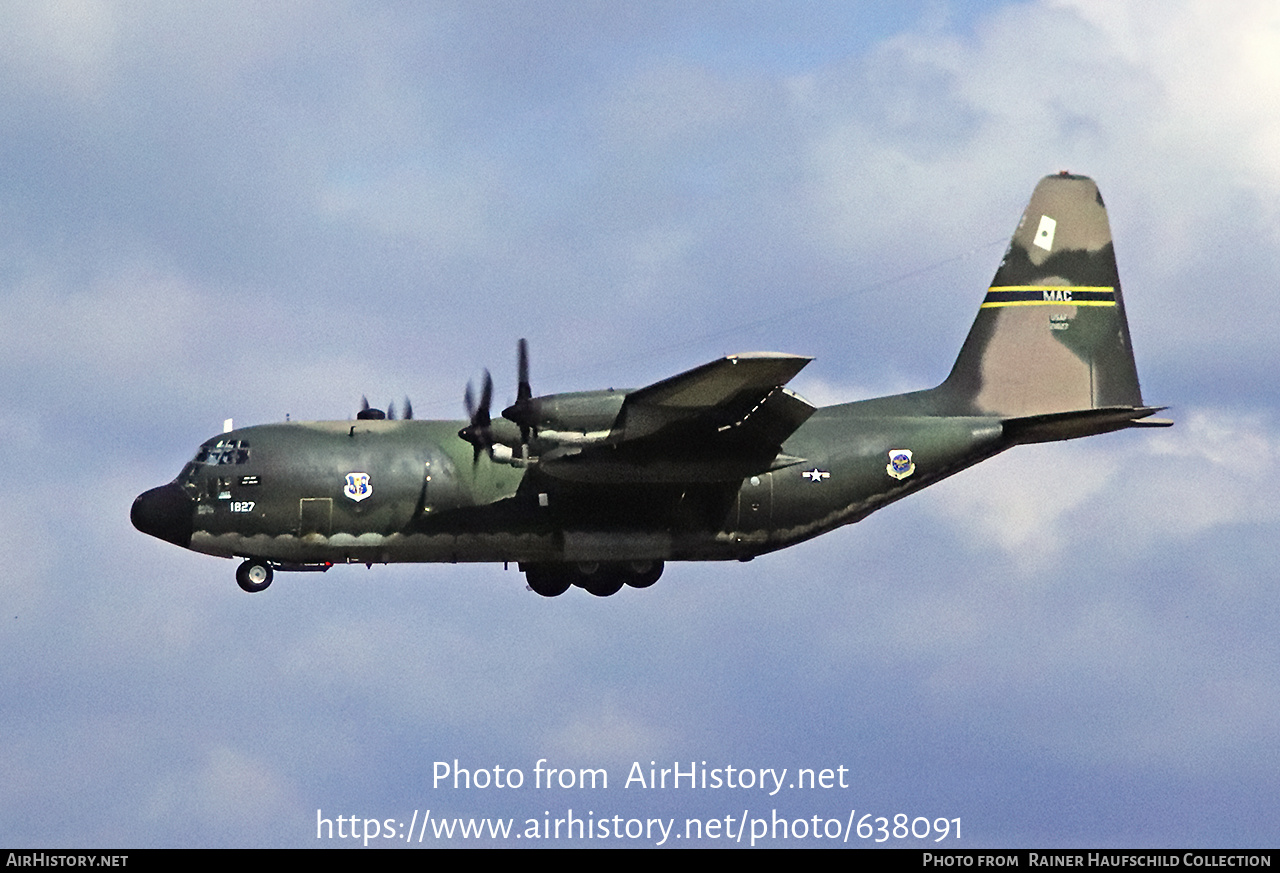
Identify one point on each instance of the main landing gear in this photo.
(602, 579)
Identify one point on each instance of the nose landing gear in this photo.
(254, 575)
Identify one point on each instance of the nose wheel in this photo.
(254, 575)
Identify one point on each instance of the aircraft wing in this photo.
(717, 395)
(716, 422)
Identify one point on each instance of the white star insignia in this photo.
(816, 475)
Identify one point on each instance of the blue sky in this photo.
(222, 211)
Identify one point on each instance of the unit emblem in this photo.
(358, 487)
(900, 464)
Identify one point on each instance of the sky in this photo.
(237, 210)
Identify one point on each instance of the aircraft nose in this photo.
(164, 512)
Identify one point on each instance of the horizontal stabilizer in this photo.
(1081, 423)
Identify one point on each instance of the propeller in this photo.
(524, 411)
(478, 431)
(367, 412)
(370, 413)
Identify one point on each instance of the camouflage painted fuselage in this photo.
(424, 500)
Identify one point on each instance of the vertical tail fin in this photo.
(1051, 336)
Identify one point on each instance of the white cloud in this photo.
(606, 733)
(917, 146)
(1216, 64)
(1025, 502)
(1083, 609)
(219, 792)
(1212, 469)
(66, 46)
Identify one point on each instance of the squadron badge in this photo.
(900, 464)
(357, 487)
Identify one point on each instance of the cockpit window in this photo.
(224, 451)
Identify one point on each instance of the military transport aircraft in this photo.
(599, 488)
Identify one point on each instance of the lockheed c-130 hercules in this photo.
(600, 488)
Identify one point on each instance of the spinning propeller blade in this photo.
(477, 432)
(524, 411)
